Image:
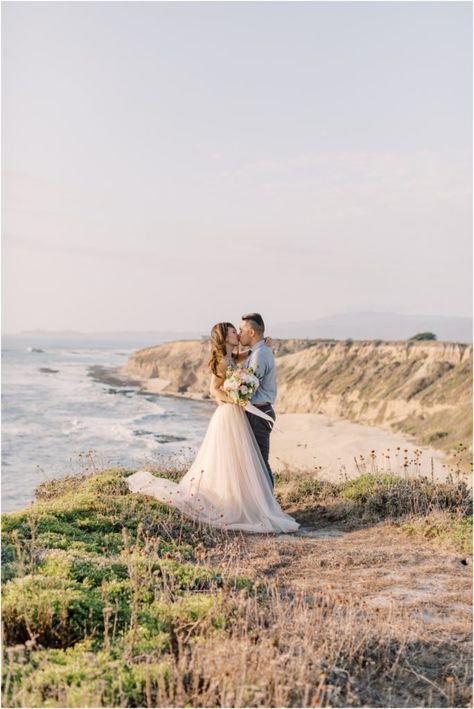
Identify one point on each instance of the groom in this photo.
(261, 358)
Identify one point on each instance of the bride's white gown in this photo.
(227, 485)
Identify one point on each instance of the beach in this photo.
(327, 446)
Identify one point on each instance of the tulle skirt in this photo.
(227, 485)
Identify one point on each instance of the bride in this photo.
(227, 485)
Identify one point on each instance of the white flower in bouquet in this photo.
(240, 384)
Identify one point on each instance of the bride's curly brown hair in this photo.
(218, 348)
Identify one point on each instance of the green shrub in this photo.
(56, 612)
(309, 490)
(360, 489)
(423, 336)
(78, 677)
(390, 495)
(452, 527)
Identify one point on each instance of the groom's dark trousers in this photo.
(262, 429)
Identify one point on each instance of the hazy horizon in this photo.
(170, 165)
(366, 326)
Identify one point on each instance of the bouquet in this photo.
(240, 384)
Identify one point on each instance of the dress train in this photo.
(227, 485)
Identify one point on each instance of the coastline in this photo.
(117, 376)
(320, 444)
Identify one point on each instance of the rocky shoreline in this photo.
(118, 377)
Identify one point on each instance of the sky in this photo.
(168, 165)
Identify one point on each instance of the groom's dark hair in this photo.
(256, 321)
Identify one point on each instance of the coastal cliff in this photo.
(181, 367)
(420, 388)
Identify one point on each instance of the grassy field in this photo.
(113, 599)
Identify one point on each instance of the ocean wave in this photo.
(49, 422)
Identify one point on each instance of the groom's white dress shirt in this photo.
(261, 358)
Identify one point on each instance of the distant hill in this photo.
(363, 325)
(370, 325)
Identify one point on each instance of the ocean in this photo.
(56, 420)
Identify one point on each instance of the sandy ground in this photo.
(328, 447)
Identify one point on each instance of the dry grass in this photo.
(356, 609)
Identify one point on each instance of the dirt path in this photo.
(379, 565)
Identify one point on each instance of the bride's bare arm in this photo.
(215, 389)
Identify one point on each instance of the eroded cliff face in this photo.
(181, 366)
(420, 388)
